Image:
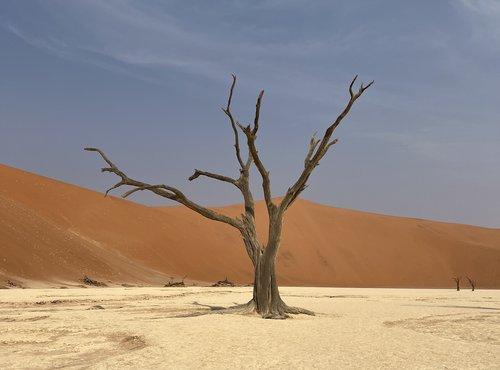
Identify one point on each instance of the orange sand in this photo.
(54, 233)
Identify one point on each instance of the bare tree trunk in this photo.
(266, 296)
(472, 283)
(266, 299)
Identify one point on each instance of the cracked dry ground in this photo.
(122, 328)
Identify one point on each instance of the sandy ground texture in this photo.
(160, 328)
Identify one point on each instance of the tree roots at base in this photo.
(282, 312)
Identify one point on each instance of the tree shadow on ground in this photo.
(245, 308)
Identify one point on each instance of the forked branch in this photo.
(313, 144)
(472, 283)
(243, 181)
(318, 148)
(251, 134)
(247, 223)
(234, 125)
(197, 173)
(163, 190)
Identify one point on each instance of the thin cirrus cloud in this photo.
(484, 18)
(120, 36)
(65, 50)
(485, 7)
(139, 41)
(433, 62)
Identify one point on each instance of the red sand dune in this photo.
(53, 232)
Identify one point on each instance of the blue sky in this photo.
(145, 80)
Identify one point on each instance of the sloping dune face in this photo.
(55, 232)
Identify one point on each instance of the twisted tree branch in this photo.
(242, 183)
(318, 148)
(165, 191)
(251, 134)
(197, 173)
(313, 144)
(234, 123)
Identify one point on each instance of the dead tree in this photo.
(173, 283)
(457, 281)
(472, 283)
(266, 297)
(224, 283)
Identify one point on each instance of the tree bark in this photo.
(266, 294)
(266, 299)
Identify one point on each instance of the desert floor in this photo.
(157, 328)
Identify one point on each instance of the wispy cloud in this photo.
(64, 50)
(139, 40)
(484, 21)
(54, 46)
(435, 65)
(490, 8)
(430, 145)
